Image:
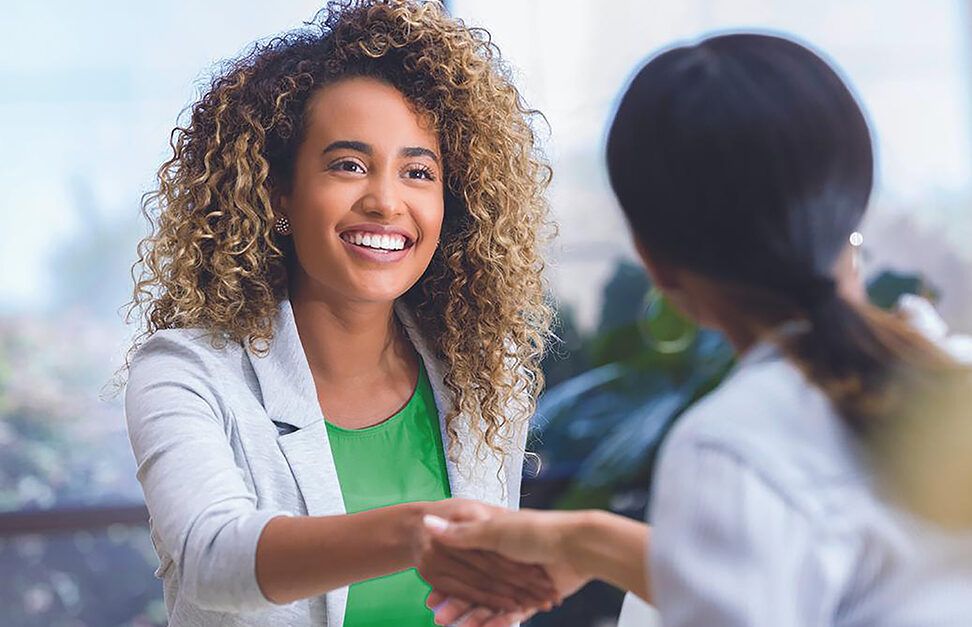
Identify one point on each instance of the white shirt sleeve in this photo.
(637, 613)
(729, 549)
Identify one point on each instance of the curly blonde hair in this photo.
(213, 260)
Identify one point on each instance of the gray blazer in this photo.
(226, 440)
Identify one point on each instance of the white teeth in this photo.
(376, 241)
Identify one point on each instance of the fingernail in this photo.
(435, 523)
(441, 605)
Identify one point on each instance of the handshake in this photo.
(493, 567)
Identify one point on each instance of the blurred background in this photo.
(90, 91)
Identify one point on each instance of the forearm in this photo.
(611, 548)
(303, 556)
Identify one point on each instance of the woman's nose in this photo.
(382, 197)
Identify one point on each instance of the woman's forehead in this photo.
(367, 109)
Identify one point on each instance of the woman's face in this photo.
(366, 200)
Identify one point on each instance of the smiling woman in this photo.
(343, 317)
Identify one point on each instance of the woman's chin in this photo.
(378, 290)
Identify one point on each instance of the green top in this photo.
(397, 461)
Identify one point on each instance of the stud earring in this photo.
(282, 226)
(857, 243)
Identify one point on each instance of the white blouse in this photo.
(765, 513)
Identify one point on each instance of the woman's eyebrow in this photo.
(418, 151)
(362, 147)
(344, 144)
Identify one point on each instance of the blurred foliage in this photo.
(887, 287)
(59, 444)
(95, 579)
(62, 447)
(596, 432)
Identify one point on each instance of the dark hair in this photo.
(746, 159)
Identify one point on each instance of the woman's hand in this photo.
(451, 610)
(527, 536)
(532, 537)
(572, 547)
(481, 577)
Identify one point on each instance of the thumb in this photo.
(454, 534)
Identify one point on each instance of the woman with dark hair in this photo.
(343, 319)
(743, 165)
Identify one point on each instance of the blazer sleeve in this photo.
(204, 516)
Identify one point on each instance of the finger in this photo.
(463, 510)
(530, 577)
(477, 617)
(460, 535)
(451, 610)
(517, 583)
(534, 578)
(473, 594)
(435, 599)
(507, 618)
(460, 567)
(472, 511)
(530, 588)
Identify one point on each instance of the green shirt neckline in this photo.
(387, 423)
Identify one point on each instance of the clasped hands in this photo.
(492, 567)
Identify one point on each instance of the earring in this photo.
(857, 243)
(282, 226)
(662, 327)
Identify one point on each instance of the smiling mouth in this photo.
(380, 242)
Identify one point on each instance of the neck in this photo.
(740, 336)
(721, 313)
(345, 340)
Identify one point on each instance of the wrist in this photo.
(582, 527)
(410, 534)
(611, 548)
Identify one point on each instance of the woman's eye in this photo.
(347, 166)
(420, 173)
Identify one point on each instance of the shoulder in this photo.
(752, 486)
(192, 345)
(192, 351)
(183, 362)
(776, 428)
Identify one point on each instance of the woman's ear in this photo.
(280, 203)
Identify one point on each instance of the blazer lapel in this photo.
(290, 399)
